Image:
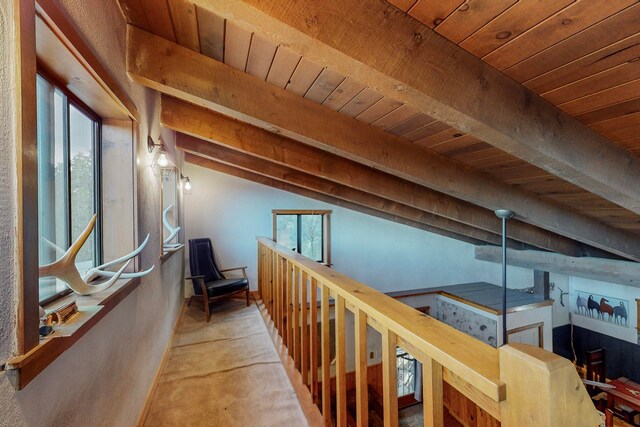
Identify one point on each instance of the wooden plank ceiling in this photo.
(581, 56)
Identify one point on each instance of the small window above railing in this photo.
(304, 231)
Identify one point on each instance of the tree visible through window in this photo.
(305, 232)
(68, 184)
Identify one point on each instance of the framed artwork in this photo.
(600, 307)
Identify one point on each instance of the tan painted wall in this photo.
(103, 380)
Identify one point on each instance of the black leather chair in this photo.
(209, 284)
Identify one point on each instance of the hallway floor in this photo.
(224, 373)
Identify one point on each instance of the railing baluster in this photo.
(432, 393)
(288, 304)
(313, 331)
(326, 358)
(362, 393)
(389, 379)
(305, 330)
(341, 372)
(296, 316)
(276, 292)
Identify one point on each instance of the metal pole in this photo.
(504, 214)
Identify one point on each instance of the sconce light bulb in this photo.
(163, 162)
(187, 185)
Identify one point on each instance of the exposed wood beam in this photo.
(285, 186)
(183, 73)
(402, 58)
(318, 185)
(203, 123)
(607, 270)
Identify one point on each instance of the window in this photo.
(68, 180)
(305, 232)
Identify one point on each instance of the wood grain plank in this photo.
(313, 331)
(362, 407)
(433, 398)
(344, 93)
(284, 64)
(622, 109)
(211, 33)
(378, 110)
(363, 100)
(432, 12)
(607, 32)
(470, 17)
(295, 308)
(426, 131)
(454, 145)
(510, 24)
(470, 147)
(605, 98)
(134, 13)
(237, 41)
(261, 56)
(304, 76)
(616, 123)
(624, 134)
(439, 138)
(326, 357)
(390, 379)
(613, 55)
(185, 24)
(325, 84)
(403, 5)
(618, 75)
(341, 361)
(159, 18)
(398, 115)
(411, 124)
(304, 315)
(569, 21)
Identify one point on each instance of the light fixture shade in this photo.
(161, 165)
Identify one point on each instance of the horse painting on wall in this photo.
(606, 309)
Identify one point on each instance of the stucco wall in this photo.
(105, 377)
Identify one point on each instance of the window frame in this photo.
(326, 229)
(71, 99)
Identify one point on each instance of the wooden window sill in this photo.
(21, 370)
(164, 258)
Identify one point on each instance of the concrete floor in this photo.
(224, 373)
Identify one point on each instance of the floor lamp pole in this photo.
(504, 215)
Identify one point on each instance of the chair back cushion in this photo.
(202, 262)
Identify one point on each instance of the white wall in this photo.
(379, 253)
(104, 379)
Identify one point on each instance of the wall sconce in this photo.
(161, 165)
(186, 183)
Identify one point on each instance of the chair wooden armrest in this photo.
(244, 270)
(194, 277)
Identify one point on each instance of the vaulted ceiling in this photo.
(452, 108)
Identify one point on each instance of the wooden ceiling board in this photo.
(343, 94)
(567, 22)
(210, 33)
(395, 117)
(426, 131)
(304, 76)
(599, 36)
(605, 98)
(490, 156)
(410, 125)
(378, 110)
(433, 12)
(470, 149)
(403, 5)
(440, 137)
(455, 144)
(622, 110)
(237, 41)
(470, 17)
(601, 60)
(134, 13)
(261, 54)
(159, 18)
(324, 85)
(363, 100)
(616, 123)
(617, 75)
(624, 134)
(284, 64)
(185, 24)
(510, 24)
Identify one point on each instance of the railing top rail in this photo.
(477, 363)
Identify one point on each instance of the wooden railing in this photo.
(533, 388)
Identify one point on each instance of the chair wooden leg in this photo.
(247, 297)
(207, 314)
(189, 302)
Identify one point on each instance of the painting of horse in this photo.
(600, 307)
